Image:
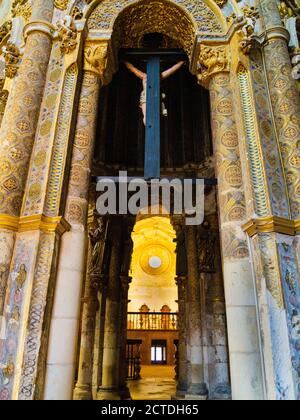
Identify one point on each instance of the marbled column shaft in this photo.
(19, 124)
(61, 365)
(109, 389)
(284, 98)
(196, 385)
(244, 347)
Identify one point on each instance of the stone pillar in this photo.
(196, 385)
(123, 368)
(244, 346)
(99, 336)
(219, 381)
(97, 234)
(182, 385)
(19, 126)
(109, 389)
(284, 98)
(71, 269)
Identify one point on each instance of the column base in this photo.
(222, 392)
(198, 390)
(125, 393)
(82, 393)
(181, 391)
(108, 394)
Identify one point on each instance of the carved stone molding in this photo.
(67, 34)
(212, 60)
(38, 222)
(272, 224)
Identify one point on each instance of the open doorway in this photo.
(153, 310)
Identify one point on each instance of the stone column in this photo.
(19, 126)
(71, 269)
(99, 335)
(182, 385)
(284, 98)
(97, 234)
(109, 389)
(125, 282)
(219, 381)
(196, 386)
(244, 347)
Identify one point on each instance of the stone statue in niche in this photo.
(181, 255)
(97, 238)
(206, 241)
(143, 76)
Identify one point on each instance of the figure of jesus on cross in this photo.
(143, 76)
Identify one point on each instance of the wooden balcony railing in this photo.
(152, 321)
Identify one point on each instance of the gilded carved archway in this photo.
(113, 25)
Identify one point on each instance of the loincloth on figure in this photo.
(143, 98)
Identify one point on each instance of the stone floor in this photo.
(157, 383)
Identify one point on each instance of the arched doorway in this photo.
(103, 55)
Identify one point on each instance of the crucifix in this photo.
(150, 101)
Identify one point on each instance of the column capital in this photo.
(213, 59)
(96, 57)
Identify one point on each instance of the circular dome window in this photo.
(155, 262)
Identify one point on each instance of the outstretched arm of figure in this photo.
(172, 70)
(141, 75)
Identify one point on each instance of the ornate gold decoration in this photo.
(37, 222)
(221, 3)
(95, 58)
(3, 99)
(21, 8)
(212, 60)
(5, 30)
(251, 14)
(9, 222)
(12, 56)
(77, 13)
(130, 23)
(61, 4)
(67, 34)
(272, 224)
(45, 224)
